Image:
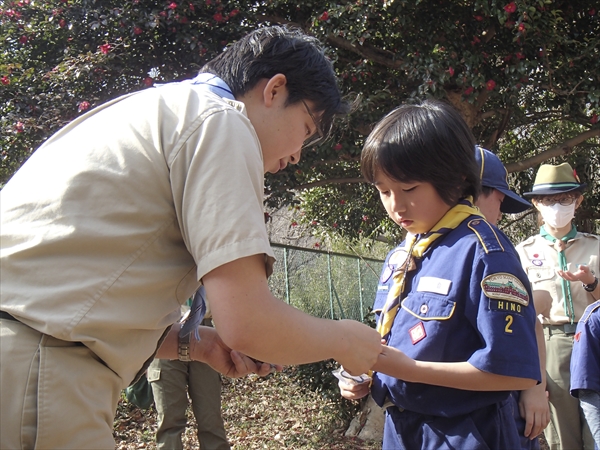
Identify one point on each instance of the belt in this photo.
(563, 328)
(7, 316)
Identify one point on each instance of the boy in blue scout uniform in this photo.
(585, 368)
(453, 301)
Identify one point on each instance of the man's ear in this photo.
(275, 89)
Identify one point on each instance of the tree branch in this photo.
(330, 181)
(561, 149)
(365, 51)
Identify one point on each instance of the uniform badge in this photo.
(577, 336)
(537, 262)
(417, 333)
(505, 286)
(387, 273)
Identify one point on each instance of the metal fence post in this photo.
(287, 276)
(329, 279)
(360, 296)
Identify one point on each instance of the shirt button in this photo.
(424, 309)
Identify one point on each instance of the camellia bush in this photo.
(524, 74)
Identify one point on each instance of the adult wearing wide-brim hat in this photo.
(562, 266)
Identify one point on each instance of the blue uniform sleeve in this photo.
(501, 308)
(585, 359)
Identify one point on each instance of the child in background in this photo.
(453, 302)
(585, 368)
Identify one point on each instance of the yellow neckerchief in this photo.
(416, 246)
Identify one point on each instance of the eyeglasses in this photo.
(316, 137)
(564, 201)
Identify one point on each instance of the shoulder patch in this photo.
(487, 235)
(505, 286)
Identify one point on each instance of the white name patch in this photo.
(435, 285)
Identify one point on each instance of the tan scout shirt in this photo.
(540, 261)
(108, 227)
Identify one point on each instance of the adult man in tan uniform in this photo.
(110, 226)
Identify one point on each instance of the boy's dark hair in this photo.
(269, 51)
(486, 191)
(429, 142)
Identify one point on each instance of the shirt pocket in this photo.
(429, 307)
(540, 274)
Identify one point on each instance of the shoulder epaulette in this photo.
(487, 235)
(589, 310)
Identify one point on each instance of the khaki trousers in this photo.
(568, 429)
(172, 382)
(54, 394)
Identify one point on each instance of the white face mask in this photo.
(557, 215)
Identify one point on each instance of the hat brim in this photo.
(513, 203)
(553, 191)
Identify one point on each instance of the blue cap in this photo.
(494, 175)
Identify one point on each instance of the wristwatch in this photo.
(592, 286)
(183, 348)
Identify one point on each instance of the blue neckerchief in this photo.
(212, 83)
(209, 82)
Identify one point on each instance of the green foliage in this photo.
(518, 71)
(317, 377)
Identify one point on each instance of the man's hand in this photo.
(212, 350)
(533, 407)
(362, 347)
(582, 274)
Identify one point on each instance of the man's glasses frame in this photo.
(316, 137)
(564, 201)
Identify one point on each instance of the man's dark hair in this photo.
(428, 142)
(269, 51)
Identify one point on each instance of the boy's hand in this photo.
(533, 407)
(354, 391)
(362, 346)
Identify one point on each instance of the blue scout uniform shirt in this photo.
(467, 300)
(585, 359)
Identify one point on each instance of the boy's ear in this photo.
(275, 89)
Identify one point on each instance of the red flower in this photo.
(324, 16)
(592, 12)
(294, 224)
(23, 39)
(510, 8)
(342, 202)
(469, 90)
(337, 147)
(19, 127)
(314, 222)
(192, 7)
(148, 81)
(137, 30)
(105, 48)
(317, 245)
(335, 225)
(490, 85)
(365, 218)
(162, 14)
(451, 71)
(83, 106)
(4, 80)
(521, 27)
(594, 119)
(172, 5)
(218, 17)
(234, 12)
(520, 55)
(479, 18)
(62, 23)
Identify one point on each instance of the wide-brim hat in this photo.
(551, 180)
(494, 175)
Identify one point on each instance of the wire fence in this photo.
(325, 284)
